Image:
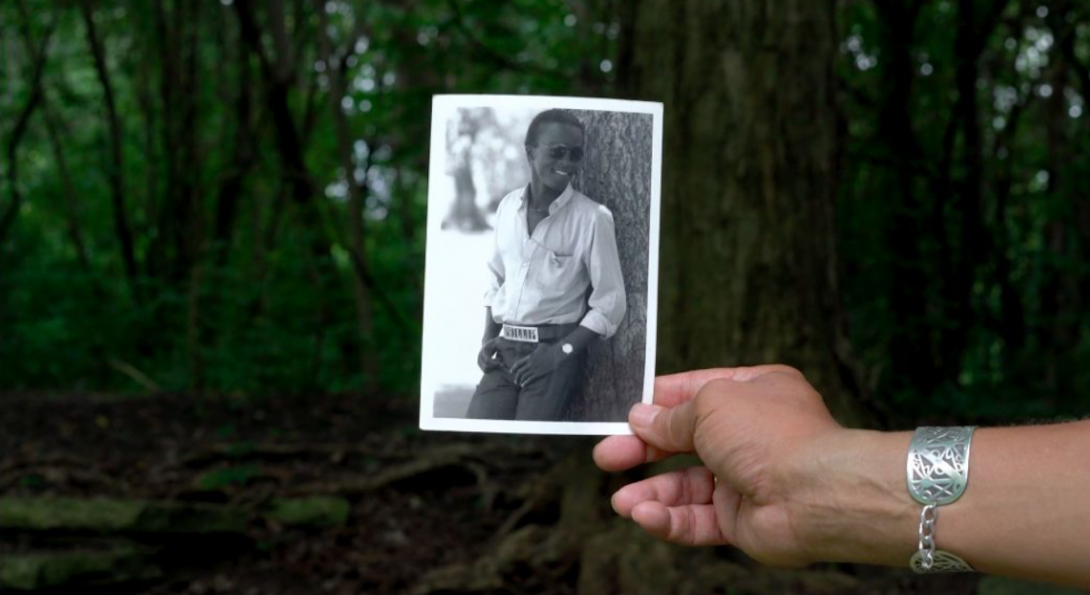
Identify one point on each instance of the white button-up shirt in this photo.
(543, 278)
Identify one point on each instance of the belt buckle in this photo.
(523, 334)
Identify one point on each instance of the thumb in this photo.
(670, 429)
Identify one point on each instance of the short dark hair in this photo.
(557, 116)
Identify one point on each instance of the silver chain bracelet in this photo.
(937, 474)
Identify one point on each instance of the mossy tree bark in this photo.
(748, 270)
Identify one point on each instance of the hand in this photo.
(759, 431)
(486, 357)
(539, 364)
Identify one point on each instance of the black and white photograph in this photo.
(541, 263)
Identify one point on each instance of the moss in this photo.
(44, 514)
(109, 516)
(314, 511)
(995, 585)
(38, 571)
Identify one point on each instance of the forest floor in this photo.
(417, 500)
(428, 513)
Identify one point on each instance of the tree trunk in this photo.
(912, 220)
(68, 188)
(115, 170)
(337, 67)
(22, 123)
(748, 272)
(1058, 293)
(279, 75)
(617, 173)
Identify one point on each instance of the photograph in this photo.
(541, 263)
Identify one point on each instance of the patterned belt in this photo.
(536, 334)
(523, 334)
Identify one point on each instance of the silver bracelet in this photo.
(938, 471)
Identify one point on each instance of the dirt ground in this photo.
(429, 513)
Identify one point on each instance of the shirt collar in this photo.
(564, 198)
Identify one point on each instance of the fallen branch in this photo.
(387, 476)
(136, 375)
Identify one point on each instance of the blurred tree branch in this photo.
(35, 98)
(116, 167)
(486, 52)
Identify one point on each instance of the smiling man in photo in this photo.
(556, 282)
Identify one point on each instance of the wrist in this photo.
(853, 505)
(557, 352)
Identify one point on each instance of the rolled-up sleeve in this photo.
(607, 299)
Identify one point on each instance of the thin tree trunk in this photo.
(1065, 30)
(403, 195)
(71, 209)
(22, 122)
(972, 240)
(194, 335)
(191, 245)
(748, 270)
(116, 167)
(1012, 312)
(244, 159)
(336, 67)
(1058, 296)
(177, 247)
(912, 353)
(278, 80)
(153, 158)
(53, 127)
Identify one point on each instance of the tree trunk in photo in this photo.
(749, 271)
(464, 213)
(617, 173)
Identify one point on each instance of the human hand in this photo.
(486, 357)
(539, 364)
(763, 434)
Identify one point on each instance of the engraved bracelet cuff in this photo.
(937, 473)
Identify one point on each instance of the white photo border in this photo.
(444, 107)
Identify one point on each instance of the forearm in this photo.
(580, 338)
(1025, 512)
(491, 327)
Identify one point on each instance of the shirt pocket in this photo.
(558, 271)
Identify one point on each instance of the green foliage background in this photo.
(257, 309)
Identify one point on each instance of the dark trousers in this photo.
(543, 399)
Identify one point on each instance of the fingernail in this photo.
(642, 415)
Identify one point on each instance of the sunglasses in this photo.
(574, 154)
